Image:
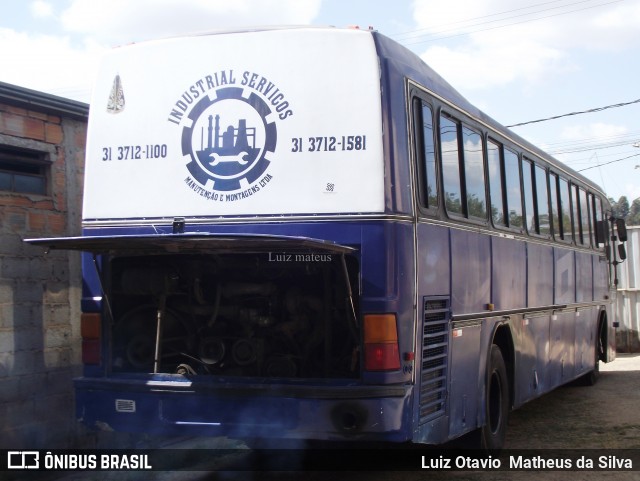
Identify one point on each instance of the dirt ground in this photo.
(604, 416)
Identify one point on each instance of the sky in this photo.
(517, 60)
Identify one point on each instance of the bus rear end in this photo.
(241, 274)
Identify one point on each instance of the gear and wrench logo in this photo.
(229, 139)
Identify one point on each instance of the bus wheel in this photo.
(492, 434)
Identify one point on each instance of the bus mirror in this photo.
(602, 231)
(621, 227)
(622, 252)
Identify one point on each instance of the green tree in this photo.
(634, 213)
(621, 208)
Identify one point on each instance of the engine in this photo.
(233, 315)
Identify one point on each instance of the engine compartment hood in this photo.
(201, 242)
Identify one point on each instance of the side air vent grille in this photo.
(435, 355)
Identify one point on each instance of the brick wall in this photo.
(40, 295)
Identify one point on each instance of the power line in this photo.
(589, 160)
(626, 137)
(589, 149)
(597, 109)
(417, 33)
(509, 24)
(607, 163)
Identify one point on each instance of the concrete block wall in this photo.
(40, 294)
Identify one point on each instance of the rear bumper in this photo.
(179, 406)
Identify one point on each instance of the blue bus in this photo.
(307, 234)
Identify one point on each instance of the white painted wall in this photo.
(628, 300)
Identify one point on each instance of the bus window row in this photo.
(479, 177)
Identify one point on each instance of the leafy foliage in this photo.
(630, 213)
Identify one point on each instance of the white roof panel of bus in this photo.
(284, 121)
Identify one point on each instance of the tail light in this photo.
(90, 328)
(381, 351)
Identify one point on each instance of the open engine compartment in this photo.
(264, 315)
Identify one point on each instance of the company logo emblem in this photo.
(115, 104)
(23, 460)
(229, 140)
(229, 133)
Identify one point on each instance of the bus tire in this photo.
(496, 405)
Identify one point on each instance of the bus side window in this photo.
(555, 205)
(514, 194)
(462, 169)
(542, 197)
(527, 184)
(597, 217)
(584, 218)
(575, 202)
(496, 183)
(565, 211)
(427, 156)
(474, 173)
(451, 176)
(592, 218)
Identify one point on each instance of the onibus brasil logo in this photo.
(229, 133)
